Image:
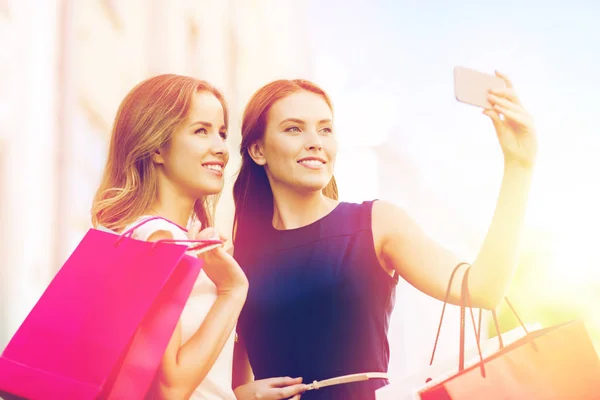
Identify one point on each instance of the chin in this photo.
(313, 186)
(208, 190)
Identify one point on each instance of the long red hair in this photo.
(252, 193)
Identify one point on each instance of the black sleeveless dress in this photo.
(319, 303)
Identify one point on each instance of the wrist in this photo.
(239, 391)
(519, 166)
(237, 292)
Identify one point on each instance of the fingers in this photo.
(208, 233)
(512, 111)
(206, 252)
(494, 116)
(495, 100)
(291, 391)
(223, 237)
(194, 232)
(505, 79)
(282, 381)
(296, 397)
(506, 93)
(511, 115)
(194, 229)
(287, 387)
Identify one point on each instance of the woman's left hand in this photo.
(514, 125)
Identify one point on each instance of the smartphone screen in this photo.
(471, 87)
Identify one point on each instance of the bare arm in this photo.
(403, 247)
(242, 371)
(184, 367)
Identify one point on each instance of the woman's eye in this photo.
(327, 130)
(293, 129)
(201, 131)
(223, 135)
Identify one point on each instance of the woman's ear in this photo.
(256, 152)
(157, 157)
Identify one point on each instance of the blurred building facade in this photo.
(66, 65)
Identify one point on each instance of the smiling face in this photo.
(299, 147)
(192, 161)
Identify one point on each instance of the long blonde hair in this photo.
(145, 121)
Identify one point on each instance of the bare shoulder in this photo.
(393, 226)
(387, 217)
(160, 235)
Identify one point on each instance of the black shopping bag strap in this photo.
(466, 302)
(446, 297)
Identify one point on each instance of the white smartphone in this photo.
(471, 87)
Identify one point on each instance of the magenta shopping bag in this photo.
(102, 325)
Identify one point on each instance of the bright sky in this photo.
(393, 60)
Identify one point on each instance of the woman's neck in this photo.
(294, 210)
(172, 205)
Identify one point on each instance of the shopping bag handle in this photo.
(465, 298)
(129, 232)
(466, 302)
(446, 297)
(199, 243)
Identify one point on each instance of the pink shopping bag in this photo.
(102, 325)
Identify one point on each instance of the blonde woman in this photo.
(166, 158)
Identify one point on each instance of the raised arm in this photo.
(403, 247)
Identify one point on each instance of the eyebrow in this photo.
(206, 124)
(299, 121)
